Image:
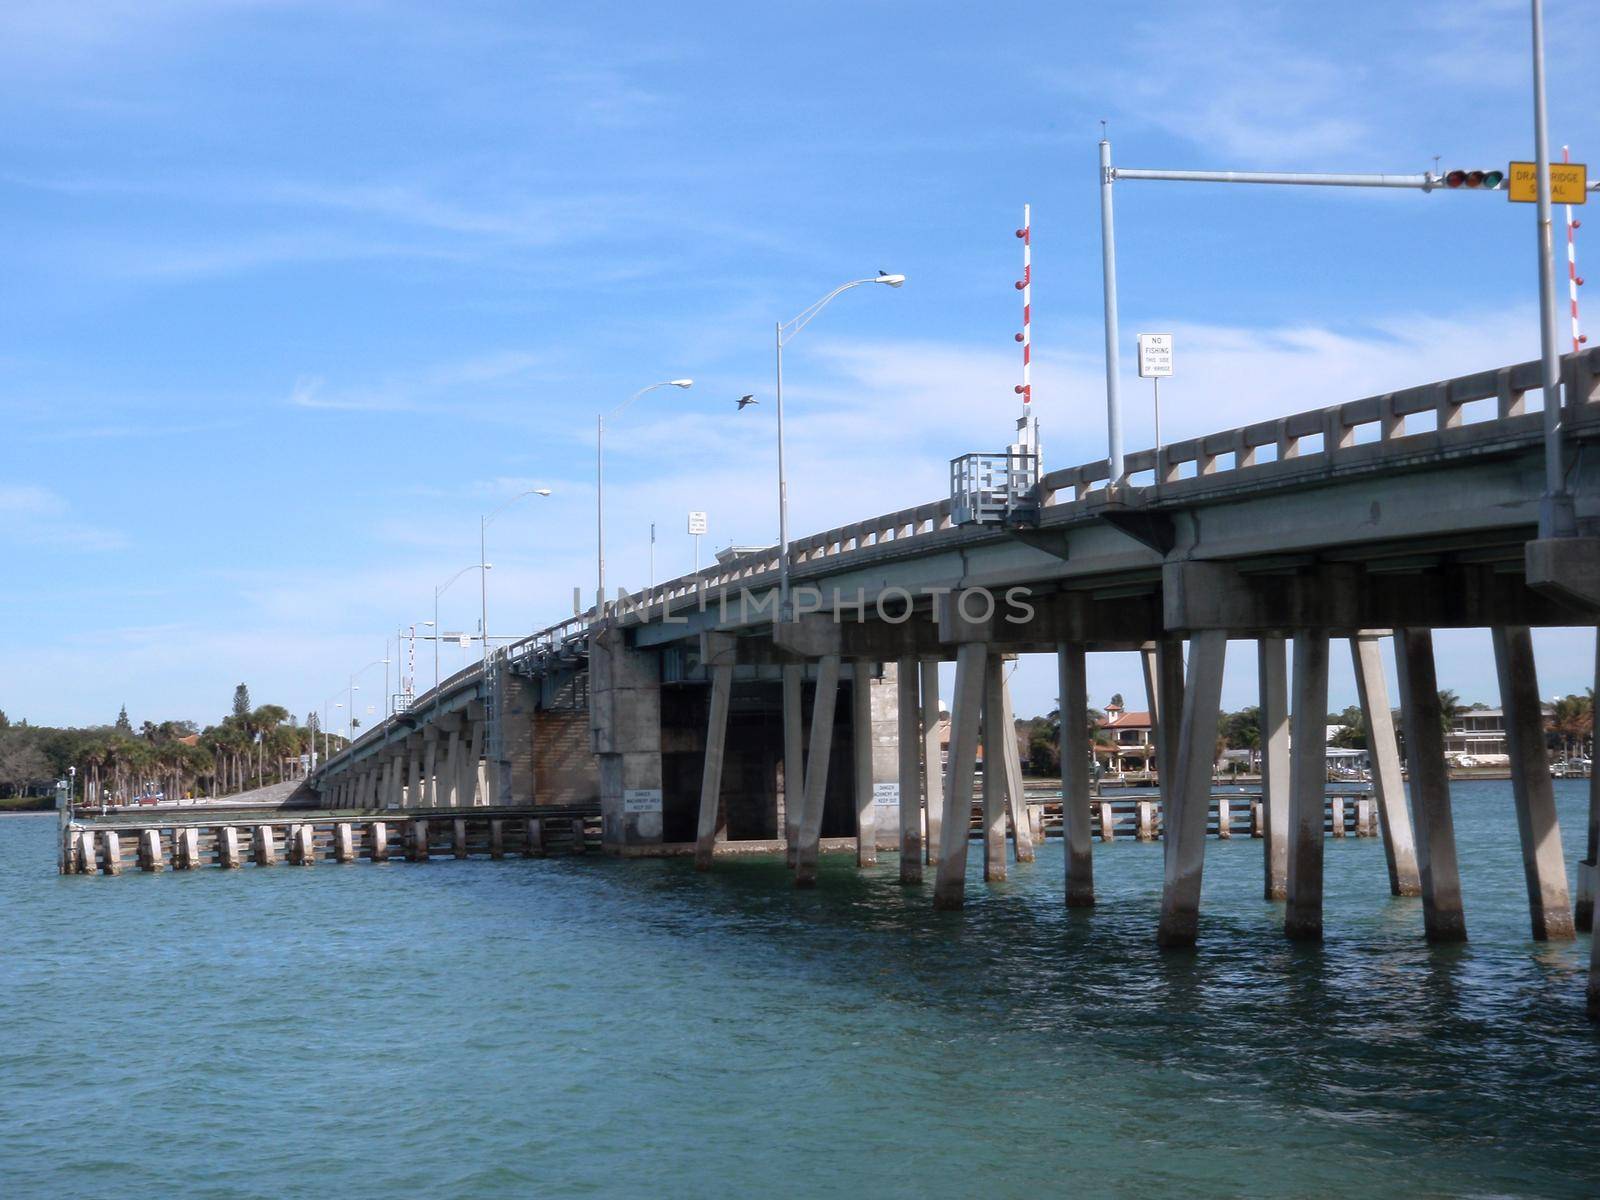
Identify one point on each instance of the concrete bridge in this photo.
(701, 721)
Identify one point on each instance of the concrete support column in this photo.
(1189, 797)
(1077, 832)
(344, 843)
(384, 783)
(472, 789)
(1588, 879)
(450, 784)
(994, 771)
(1442, 915)
(1399, 845)
(397, 779)
(1163, 685)
(932, 759)
(1543, 866)
(1022, 828)
(721, 662)
(625, 732)
(910, 755)
(1308, 785)
(378, 841)
(430, 773)
(264, 845)
(966, 711)
(416, 788)
(794, 769)
(861, 672)
(186, 848)
(228, 848)
(113, 851)
(417, 850)
(1273, 672)
(816, 771)
(458, 838)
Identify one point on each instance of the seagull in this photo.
(746, 400)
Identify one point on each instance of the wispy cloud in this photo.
(427, 388)
(31, 515)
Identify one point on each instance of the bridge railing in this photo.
(1313, 439)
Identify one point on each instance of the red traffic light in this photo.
(1455, 179)
(1474, 179)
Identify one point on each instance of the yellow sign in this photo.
(1569, 182)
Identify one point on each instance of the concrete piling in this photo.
(113, 852)
(1399, 843)
(1188, 799)
(417, 847)
(721, 647)
(1308, 778)
(1076, 831)
(344, 842)
(907, 714)
(1588, 870)
(932, 765)
(458, 838)
(994, 773)
(950, 885)
(1272, 666)
(822, 711)
(497, 838)
(1442, 915)
(150, 854)
(794, 770)
(186, 848)
(1543, 866)
(378, 841)
(1022, 823)
(861, 672)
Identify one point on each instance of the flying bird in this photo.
(745, 400)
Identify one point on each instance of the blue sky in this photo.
(294, 291)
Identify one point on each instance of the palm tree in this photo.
(1450, 707)
(1572, 717)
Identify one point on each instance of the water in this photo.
(594, 1027)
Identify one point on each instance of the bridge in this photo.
(702, 723)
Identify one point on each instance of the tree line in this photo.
(249, 747)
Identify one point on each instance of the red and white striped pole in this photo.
(1573, 282)
(1025, 286)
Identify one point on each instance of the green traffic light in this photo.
(1492, 179)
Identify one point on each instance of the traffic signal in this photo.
(1489, 180)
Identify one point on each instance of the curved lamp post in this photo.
(437, 592)
(786, 331)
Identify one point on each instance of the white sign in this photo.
(1155, 355)
(641, 800)
(886, 793)
(697, 522)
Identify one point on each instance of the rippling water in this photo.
(594, 1027)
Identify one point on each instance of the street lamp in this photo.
(600, 484)
(480, 565)
(483, 556)
(786, 331)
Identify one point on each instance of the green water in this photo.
(594, 1027)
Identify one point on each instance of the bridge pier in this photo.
(1024, 829)
(430, 765)
(995, 795)
(1442, 915)
(932, 772)
(1188, 800)
(1308, 785)
(625, 724)
(1399, 846)
(816, 771)
(794, 770)
(1076, 817)
(719, 654)
(908, 719)
(264, 845)
(861, 704)
(1543, 865)
(966, 710)
(1272, 669)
